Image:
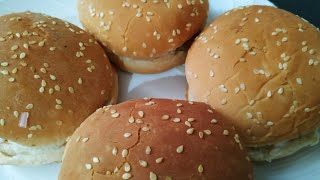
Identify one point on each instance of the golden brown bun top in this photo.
(142, 28)
(259, 66)
(51, 71)
(149, 137)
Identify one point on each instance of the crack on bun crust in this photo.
(152, 138)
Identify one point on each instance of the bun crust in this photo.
(53, 76)
(258, 66)
(142, 30)
(157, 146)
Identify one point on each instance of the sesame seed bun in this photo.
(155, 139)
(258, 66)
(145, 32)
(53, 76)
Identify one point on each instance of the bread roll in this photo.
(53, 76)
(144, 36)
(259, 67)
(155, 139)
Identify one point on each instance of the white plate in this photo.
(171, 84)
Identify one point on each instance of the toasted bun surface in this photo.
(148, 139)
(53, 76)
(259, 67)
(143, 30)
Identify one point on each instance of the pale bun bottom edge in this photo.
(283, 149)
(150, 66)
(15, 154)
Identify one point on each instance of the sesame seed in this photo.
(127, 167)
(299, 81)
(29, 136)
(22, 55)
(211, 73)
(200, 168)
(11, 79)
(143, 163)
(269, 123)
(141, 114)
(190, 131)
(311, 62)
(124, 153)
(57, 88)
(29, 106)
(144, 45)
(88, 166)
(116, 170)
(187, 123)
(41, 89)
(311, 51)
(124, 49)
(52, 77)
(180, 6)
(225, 132)
(131, 120)
(41, 43)
(176, 120)
(260, 11)
(52, 48)
(114, 151)
(126, 135)
(71, 90)
(307, 110)
(237, 42)
(214, 121)
(148, 150)
(2, 122)
(58, 106)
(249, 115)
(43, 70)
(95, 160)
(153, 176)
(242, 86)
(191, 119)
(242, 60)
(179, 111)
(4, 64)
(305, 49)
(223, 101)
(85, 139)
(115, 115)
(280, 91)
(180, 149)
(179, 105)
(43, 83)
(14, 47)
(269, 94)
(207, 132)
(26, 46)
(126, 176)
(159, 160)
